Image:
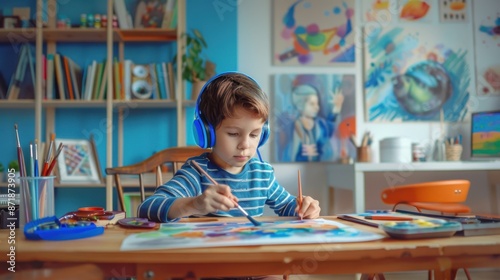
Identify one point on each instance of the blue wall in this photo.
(146, 130)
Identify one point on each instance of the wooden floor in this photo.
(476, 274)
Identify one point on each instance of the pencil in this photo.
(250, 218)
(299, 195)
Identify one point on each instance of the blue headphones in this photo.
(204, 132)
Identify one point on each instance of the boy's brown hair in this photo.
(228, 91)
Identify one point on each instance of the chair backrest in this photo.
(448, 191)
(443, 196)
(176, 155)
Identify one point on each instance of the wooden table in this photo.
(442, 255)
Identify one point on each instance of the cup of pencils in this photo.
(37, 197)
(37, 188)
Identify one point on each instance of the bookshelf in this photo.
(47, 40)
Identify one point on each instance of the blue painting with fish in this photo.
(412, 76)
(218, 234)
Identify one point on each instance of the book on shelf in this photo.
(171, 80)
(122, 14)
(22, 84)
(170, 14)
(3, 87)
(49, 72)
(59, 74)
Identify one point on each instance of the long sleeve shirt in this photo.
(255, 186)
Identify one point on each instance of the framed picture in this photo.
(11, 22)
(77, 162)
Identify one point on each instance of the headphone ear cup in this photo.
(264, 135)
(199, 133)
(210, 135)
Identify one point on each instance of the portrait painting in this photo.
(313, 117)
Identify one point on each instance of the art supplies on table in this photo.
(37, 187)
(96, 215)
(375, 218)
(221, 234)
(420, 228)
(136, 223)
(472, 225)
(50, 228)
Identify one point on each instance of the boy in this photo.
(231, 118)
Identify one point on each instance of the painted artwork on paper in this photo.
(379, 12)
(222, 234)
(313, 33)
(487, 25)
(415, 10)
(76, 162)
(454, 10)
(314, 116)
(411, 75)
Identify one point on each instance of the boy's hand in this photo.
(215, 197)
(310, 208)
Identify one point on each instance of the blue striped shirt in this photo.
(255, 186)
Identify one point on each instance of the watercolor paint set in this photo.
(420, 228)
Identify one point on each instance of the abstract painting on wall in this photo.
(314, 116)
(313, 32)
(487, 30)
(412, 75)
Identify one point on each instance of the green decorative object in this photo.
(14, 165)
(193, 64)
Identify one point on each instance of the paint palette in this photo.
(50, 228)
(419, 228)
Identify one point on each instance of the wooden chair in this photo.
(443, 196)
(176, 155)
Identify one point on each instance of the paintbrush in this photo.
(299, 196)
(54, 159)
(22, 174)
(250, 218)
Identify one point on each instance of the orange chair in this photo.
(442, 196)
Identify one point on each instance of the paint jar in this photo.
(395, 149)
(363, 154)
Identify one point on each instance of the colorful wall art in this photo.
(313, 32)
(454, 10)
(222, 234)
(412, 75)
(487, 30)
(313, 117)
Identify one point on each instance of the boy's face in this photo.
(237, 139)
